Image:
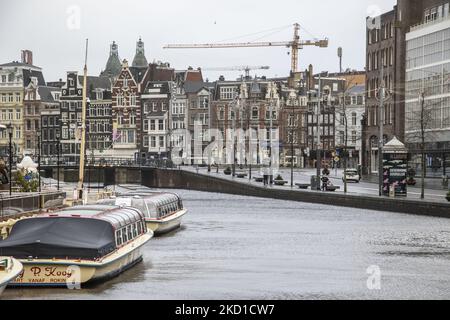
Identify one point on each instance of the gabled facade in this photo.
(258, 110)
(71, 107)
(14, 78)
(156, 101)
(41, 115)
(126, 114)
(99, 119)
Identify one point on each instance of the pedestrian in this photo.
(3, 174)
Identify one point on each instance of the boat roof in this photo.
(156, 197)
(117, 216)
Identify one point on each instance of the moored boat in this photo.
(77, 245)
(163, 211)
(10, 269)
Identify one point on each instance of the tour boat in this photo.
(10, 269)
(77, 245)
(162, 211)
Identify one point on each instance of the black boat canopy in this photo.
(79, 233)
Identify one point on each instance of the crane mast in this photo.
(296, 44)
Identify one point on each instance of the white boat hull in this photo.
(167, 224)
(10, 274)
(73, 273)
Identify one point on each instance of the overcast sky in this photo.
(51, 29)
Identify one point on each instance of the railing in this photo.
(21, 203)
(107, 162)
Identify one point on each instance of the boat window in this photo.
(139, 228)
(135, 230)
(118, 238)
(130, 235)
(124, 235)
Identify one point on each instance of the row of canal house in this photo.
(150, 111)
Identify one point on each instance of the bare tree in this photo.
(420, 120)
(342, 108)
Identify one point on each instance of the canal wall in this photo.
(179, 179)
(176, 179)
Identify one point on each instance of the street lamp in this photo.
(58, 148)
(39, 159)
(10, 128)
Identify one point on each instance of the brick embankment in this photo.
(177, 179)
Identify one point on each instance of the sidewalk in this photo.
(430, 183)
(304, 176)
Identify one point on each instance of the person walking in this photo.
(4, 181)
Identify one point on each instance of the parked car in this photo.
(351, 175)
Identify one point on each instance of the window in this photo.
(18, 97)
(153, 142)
(133, 100)
(99, 95)
(161, 125)
(18, 114)
(18, 132)
(354, 137)
(161, 141)
(131, 136)
(152, 125)
(125, 82)
(354, 116)
(274, 115)
(119, 100)
(227, 93)
(255, 113)
(145, 125)
(146, 141)
(204, 102)
(133, 118)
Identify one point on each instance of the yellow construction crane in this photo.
(295, 45)
(247, 69)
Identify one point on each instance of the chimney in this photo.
(27, 57)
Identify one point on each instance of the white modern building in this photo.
(428, 87)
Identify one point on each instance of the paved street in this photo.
(304, 176)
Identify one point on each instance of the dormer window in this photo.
(71, 83)
(99, 95)
(125, 82)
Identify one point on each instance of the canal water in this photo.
(237, 247)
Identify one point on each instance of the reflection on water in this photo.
(236, 247)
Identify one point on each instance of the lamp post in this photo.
(10, 128)
(39, 159)
(58, 148)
